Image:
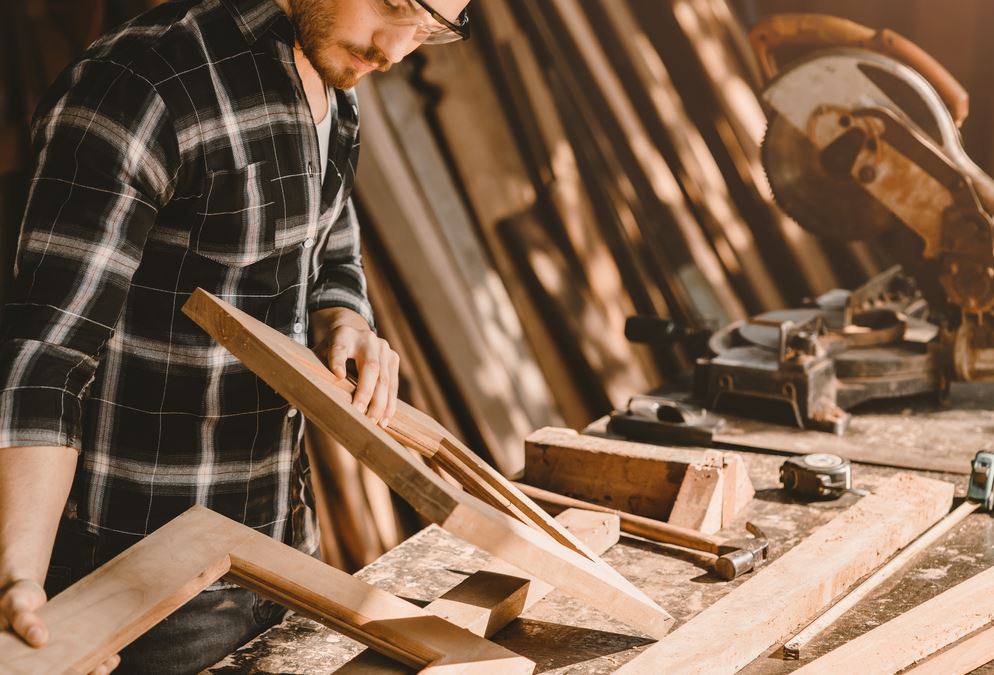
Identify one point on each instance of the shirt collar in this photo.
(256, 17)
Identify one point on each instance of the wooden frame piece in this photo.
(298, 375)
(960, 659)
(488, 600)
(788, 592)
(107, 610)
(916, 634)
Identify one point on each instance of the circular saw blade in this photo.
(828, 205)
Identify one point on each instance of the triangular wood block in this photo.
(738, 490)
(700, 500)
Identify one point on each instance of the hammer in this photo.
(731, 558)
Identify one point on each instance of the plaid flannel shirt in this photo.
(178, 152)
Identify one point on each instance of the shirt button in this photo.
(291, 413)
(298, 327)
(308, 242)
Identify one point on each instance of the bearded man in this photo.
(206, 143)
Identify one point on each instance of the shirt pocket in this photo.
(233, 222)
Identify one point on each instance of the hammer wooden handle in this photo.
(641, 526)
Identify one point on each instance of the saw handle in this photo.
(823, 31)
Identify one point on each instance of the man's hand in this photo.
(341, 334)
(19, 603)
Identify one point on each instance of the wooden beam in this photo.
(787, 593)
(636, 478)
(485, 616)
(108, 609)
(298, 375)
(495, 401)
(916, 634)
(961, 658)
(792, 648)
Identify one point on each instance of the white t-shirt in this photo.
(324, 132)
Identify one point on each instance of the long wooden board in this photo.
(298, 375)
(108, 609)
(961, 658)
(791, 590)
(916, 634)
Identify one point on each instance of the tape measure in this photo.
(817, 476)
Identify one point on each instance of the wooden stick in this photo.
(792, 647)
(786, 593)
(297, 374)
(916, 634)
(961, 658)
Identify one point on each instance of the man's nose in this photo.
(395, 42)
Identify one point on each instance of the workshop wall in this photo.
(577, 162)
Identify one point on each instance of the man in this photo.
(204, 144)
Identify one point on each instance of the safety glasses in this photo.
(432, 29)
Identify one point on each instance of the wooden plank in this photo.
(602, 364)
(916, 634)
(550, 154)
(297, 374)
(637, 478)
(788, 592)
(594, 529)
(646, 80)
(104, 612)
(701, 498)
(492, 172)
(961, 658)
(391, 196)
(792, 648)
(376, 618)
(494, 313)
(649, 169)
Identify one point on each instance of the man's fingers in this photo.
(368, 363)
(338, 355)
(394, 360)
(17, 610)
(107, 666)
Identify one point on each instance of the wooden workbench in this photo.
(565, 636)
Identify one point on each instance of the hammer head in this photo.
(740, 556)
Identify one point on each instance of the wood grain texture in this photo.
(637, 478)
(376, 618)
(916, 634)
(701, 499)
(297, 374)
(108, 609)
(961, 658)
(785, 594)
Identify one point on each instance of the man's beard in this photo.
(314, 24)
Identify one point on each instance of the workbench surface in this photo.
(563, 635)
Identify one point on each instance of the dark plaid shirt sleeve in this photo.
(341, 281)
(106, 157)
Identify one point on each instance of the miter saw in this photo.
(863, 142)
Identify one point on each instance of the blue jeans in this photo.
(196, 636)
